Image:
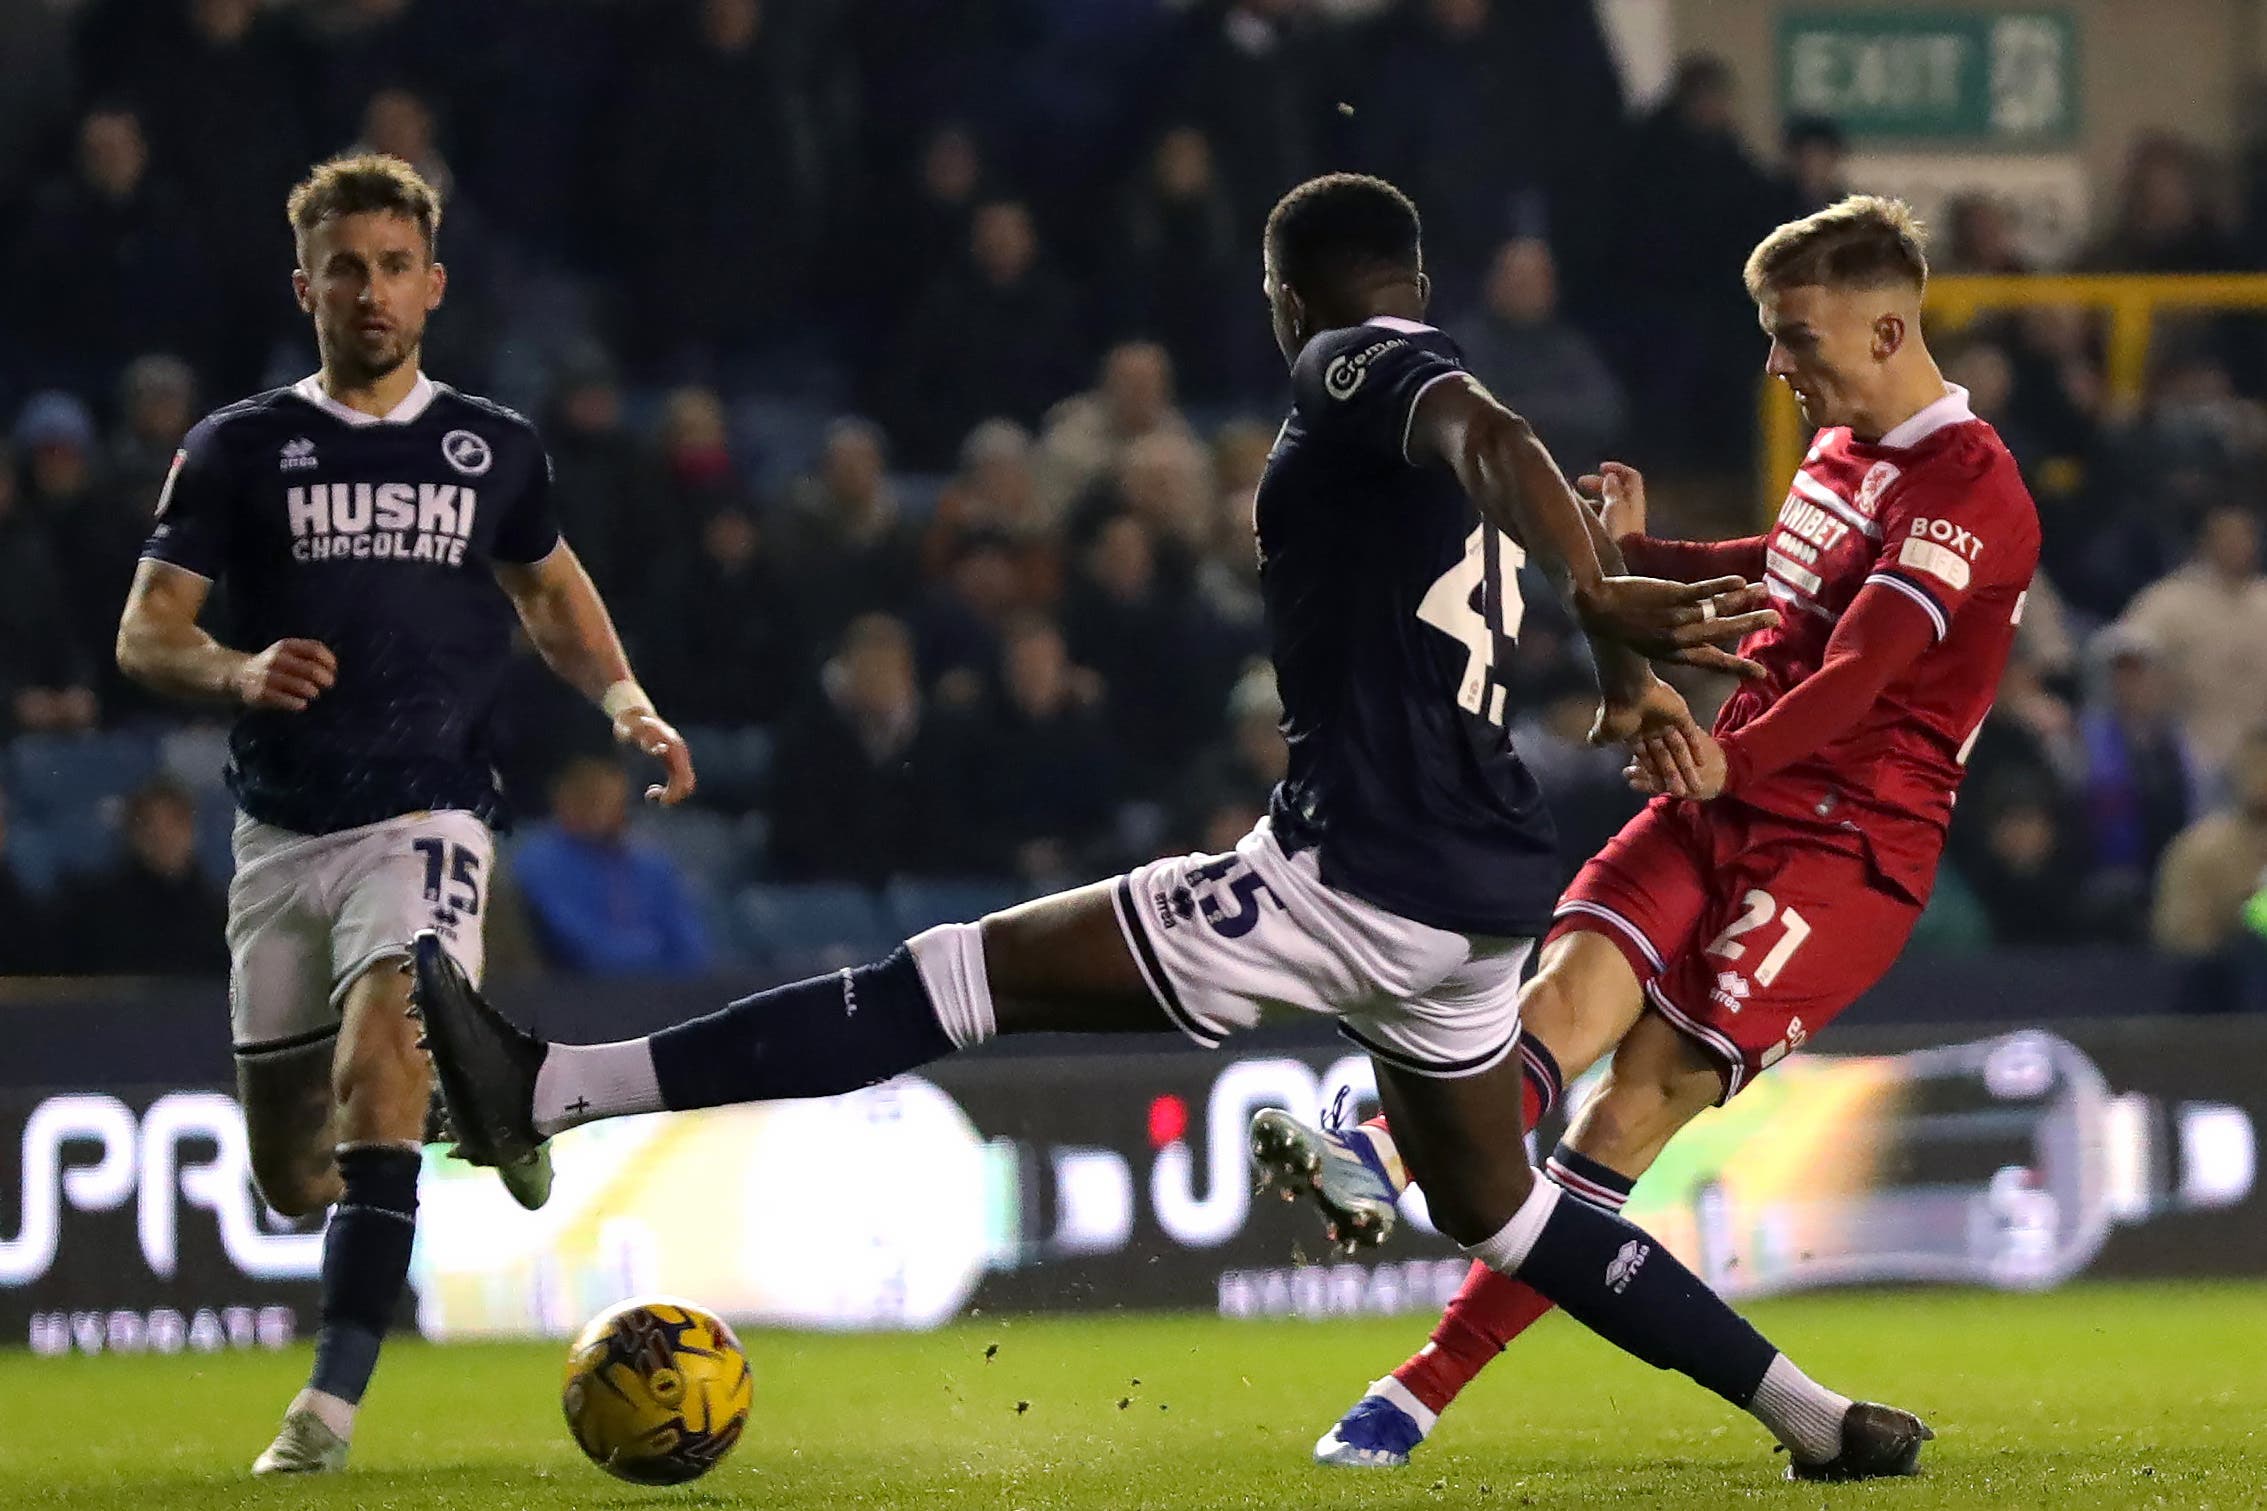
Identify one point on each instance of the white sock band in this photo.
(1509, 1248)
(1402, 1396)
(950, 958)
(580, 1083)
(1800, 1412)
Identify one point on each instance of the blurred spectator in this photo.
(2142, 785)
(1255, 79)
(1233, 780)
(2167, 221)
(1979, 237)
(869, 785)
(116, 266)
(2210, 619)
(1046, 772)
(1464, 114)
(157, 403)
(601, 903)
(1227, 577)
(153, 913)
(888, 253)
(714, 193)
(1087, 436)
(1693, 204)
(1817, 167)
(698, 472)
(960, 625)
(1157, 651)
(221, 100)
(1589, 800)
(36, 88)
(997, 337)
(598, 474)
(1179, 259)
(2217, 864)
(1540, 365)
(25, 941)
(846, 547)
(46, 679)
(96, 535)
(2026, 873)
(996, 493)
(721, 644)
(400, 123)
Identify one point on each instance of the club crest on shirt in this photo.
(467, 452)
(1877, 481)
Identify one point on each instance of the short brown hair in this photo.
(359, 184)
(1864, 242)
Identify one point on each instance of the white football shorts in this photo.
(309, 913)
(1226, 941)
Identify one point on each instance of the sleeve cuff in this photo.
(1939, 619)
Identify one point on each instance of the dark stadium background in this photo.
(906, 372)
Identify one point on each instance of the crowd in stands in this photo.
(905, 371)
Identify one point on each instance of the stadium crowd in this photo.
(904, 368)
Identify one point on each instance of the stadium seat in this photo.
(196, 758)
(57, 775)
(708, 847)
(734, 766)
(47, 851)
(816, 926)
(914, 903)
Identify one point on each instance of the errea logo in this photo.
(1731, 990)
(1625, 1265)
(1347, 370)
(298, 455)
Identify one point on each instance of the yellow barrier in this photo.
(2132, 302)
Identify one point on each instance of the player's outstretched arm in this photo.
(161, 646)
(568, 622)
(1510, 476)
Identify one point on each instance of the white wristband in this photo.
(624, 696)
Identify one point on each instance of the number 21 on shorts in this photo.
(1757, 909)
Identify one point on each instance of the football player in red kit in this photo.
(1785, 858)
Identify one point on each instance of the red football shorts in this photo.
(1748, 933)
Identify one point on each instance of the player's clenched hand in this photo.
(288, 675)
(649, 732)
(1690, 623)
(1617, 491)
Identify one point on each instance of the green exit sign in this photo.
(1998, 78)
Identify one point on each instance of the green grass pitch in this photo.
(2095, 1396)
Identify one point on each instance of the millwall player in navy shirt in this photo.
(1397, 884)
(363, 520)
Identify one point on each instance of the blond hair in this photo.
(359, 184)
(1864, 242)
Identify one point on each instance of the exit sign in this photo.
(1992, 78)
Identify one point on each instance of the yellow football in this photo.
(657, 1391)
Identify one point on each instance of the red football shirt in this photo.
(1936, 512)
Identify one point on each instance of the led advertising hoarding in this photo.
(2020, 1158)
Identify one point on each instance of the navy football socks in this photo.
(812, 1038)
(365, 1264)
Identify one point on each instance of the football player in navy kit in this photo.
(364, 520)
(1400, 878)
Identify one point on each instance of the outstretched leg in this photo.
(1463, 1144)
(1060, 964)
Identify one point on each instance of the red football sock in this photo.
(1487, 1312)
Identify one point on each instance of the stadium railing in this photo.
(2130, 304)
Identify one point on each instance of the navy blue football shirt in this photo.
(1391, 608)
(377, 537)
